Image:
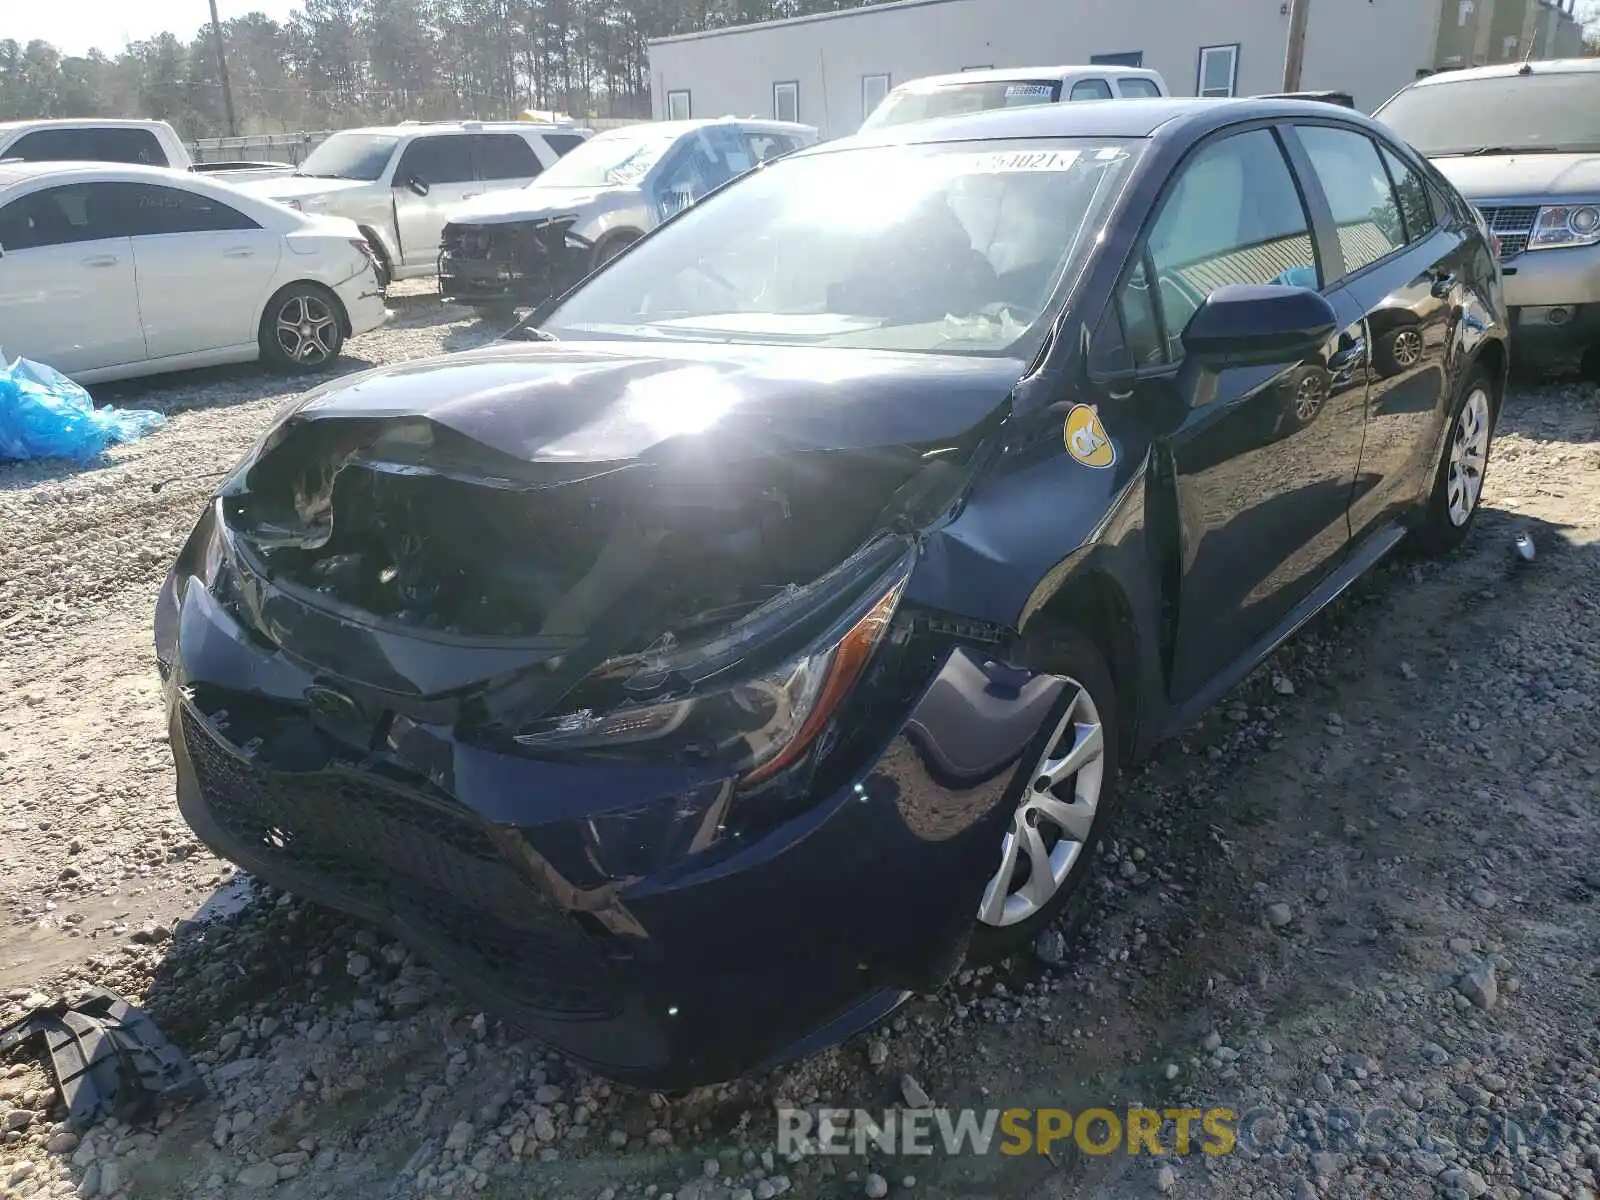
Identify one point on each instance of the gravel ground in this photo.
(1367, 883)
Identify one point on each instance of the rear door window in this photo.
(148, 210)
(1416, 207)
(505, 156)
(1090, 89)
(437, 159)
(1359, 193)
(1138, 89)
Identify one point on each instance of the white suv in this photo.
(397, 182)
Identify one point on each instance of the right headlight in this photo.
(1563, 225)
(758, 724)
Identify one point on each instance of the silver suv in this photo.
(397, 182)
(1522, 143)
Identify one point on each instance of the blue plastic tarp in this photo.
(43, 414)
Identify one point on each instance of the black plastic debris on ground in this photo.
(108, 1057)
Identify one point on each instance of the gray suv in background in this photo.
(1522, 143)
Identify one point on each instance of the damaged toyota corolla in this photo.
(763, 628)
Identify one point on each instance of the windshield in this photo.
(945, 249)
(952, 99)
(610, 159)
(350, 156)
(1548, 112)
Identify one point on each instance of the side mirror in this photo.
(1251, 325)
(415, 185)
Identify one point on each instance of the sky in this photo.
(74, 26)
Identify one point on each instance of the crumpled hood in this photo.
(297, 187)
(621, 401)
(536, 202)
(1534, 176)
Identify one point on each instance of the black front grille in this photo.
(1512, 225)
(439, 870)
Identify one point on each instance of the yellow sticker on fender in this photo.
(1086, 438)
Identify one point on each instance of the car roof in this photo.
(14, 173)
(400, 130)
(679, 128)
(1549, 66)
(1103, 118)
(80, 122)
(999, 75)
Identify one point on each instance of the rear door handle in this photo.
(101, 260)
(239, 252)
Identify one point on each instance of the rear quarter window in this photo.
(563, 143)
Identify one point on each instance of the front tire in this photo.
(1064, 792)
(302, 329)
(1452, 505)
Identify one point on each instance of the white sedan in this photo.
(110, 271)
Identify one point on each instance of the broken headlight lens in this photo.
(756, 726)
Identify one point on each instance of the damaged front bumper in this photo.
(644, 918)
(522, 262)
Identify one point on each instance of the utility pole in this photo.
(1294, 56)
(222, 71)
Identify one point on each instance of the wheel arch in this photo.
(332, 297)
(1093, 602)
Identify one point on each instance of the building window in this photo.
(786, 101)
(1129, 58)
(678, 105)
(873, 89)
(1219, 70)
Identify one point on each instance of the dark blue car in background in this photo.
(763, 628)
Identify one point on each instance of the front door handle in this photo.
(239, 252)
(101, 260)
(1443, 282)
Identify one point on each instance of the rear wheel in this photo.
(1458, 482)
(302, 328)
(1067, 785)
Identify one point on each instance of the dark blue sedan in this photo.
(761, 630)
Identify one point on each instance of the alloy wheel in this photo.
(1051, 826)
(307, 329)
(1407, 349)
(1309, 396)
(1469, 455)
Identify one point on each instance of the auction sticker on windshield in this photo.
(1021, 160)
(1086, 438)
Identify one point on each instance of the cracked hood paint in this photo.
(617, 401)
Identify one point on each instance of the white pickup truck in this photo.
(95, 139)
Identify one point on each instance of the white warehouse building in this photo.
(831, 69)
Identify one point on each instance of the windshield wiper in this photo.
(1484, 151)
(530, 333)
